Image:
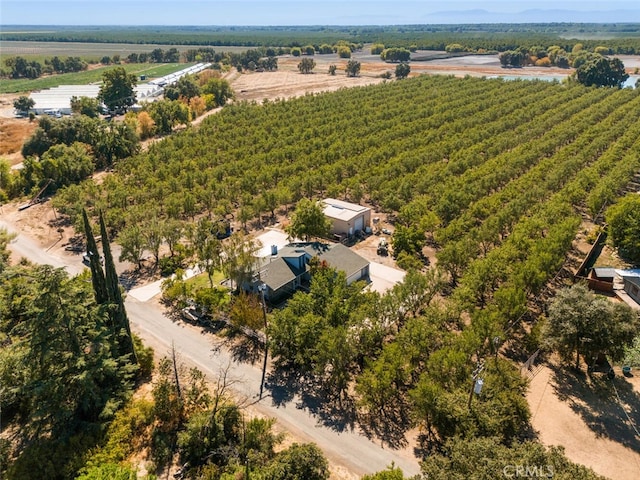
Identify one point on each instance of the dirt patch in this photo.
(13, 133)
(592, 417)
(288, 82)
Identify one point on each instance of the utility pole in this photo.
(476, 383)
(262, 288)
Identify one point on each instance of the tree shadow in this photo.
(337, 412)
(601, 403)
(389, 425)
(130, 279)
(243, 348)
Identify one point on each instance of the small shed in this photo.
(346, 218)
(601, 279)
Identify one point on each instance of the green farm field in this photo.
(151, 70)
(33, 50)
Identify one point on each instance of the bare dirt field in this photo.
(593, 418)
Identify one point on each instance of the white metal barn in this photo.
(57, 101)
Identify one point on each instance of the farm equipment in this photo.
(383, 247)
(36, 198)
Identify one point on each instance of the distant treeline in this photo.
(620, 38)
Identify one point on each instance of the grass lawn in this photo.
(151, 70)
(202, 280)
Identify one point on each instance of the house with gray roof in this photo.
(287, 269)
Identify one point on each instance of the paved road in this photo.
(348, 450)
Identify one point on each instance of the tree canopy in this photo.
(602, 72)
(306, 65)
(402, 70)
(353, 68)
(308, 221)
(117, 89)
(23, 104)
(488, 458)
(624, 226)
(583, 324)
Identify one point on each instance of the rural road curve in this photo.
(348, 450)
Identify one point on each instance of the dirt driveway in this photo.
(593, 418)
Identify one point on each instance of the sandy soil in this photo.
(584, 415)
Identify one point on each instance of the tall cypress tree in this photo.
(119, 313)
(97, 274)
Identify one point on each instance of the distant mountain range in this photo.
(533, 16)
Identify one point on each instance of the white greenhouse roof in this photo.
(59, 98)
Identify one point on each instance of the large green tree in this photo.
(624, 226)
(602, 72)
(117, 89)
(65, 165)
(61, 371)
(23, 104)
(581, 323)
(308, 221)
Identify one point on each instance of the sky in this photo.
(310, 12)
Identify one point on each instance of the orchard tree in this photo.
(308, 221)
(24, 104)
(602, 72)
(580, 323)
(117, 90)
(624, 226)
(207, 247)
(306, 65)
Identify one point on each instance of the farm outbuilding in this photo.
(58, 99)
(346, 218)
